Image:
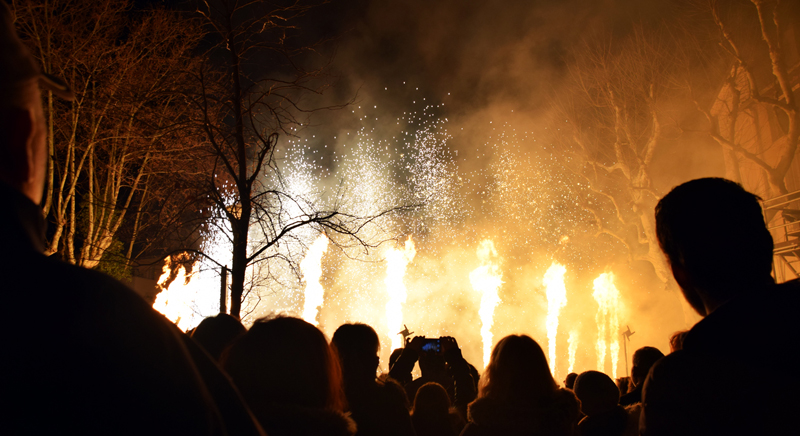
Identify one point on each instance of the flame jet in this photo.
(608, 301)
(487, 279)
(556, 300)
(175, 301)
(311, 266)
(397, 261)
(573, 347)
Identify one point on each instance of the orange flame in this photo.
(573, 347)
(487, 279)
(608, 300)
(311, 266)
(556, 300)
(396, 263)
(175, 300)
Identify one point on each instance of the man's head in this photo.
(358, 346)
(643, 359)
(715, 239)
(23, 155)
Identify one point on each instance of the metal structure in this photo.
(782, 215)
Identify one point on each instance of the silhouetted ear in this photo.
(377, 362)
(18, 161)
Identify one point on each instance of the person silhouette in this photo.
(84, 354)
(377, 407)
(720, 252)
(518, 396)
(643, 359)
(599, 398)
(290, 378)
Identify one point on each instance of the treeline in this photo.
(640, 104)
(122, 166)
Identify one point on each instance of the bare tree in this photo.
(615, 110)
(254, 89)
(104, 146)
(759, 87)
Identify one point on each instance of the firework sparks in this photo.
(311, 266)
(556, 300)
(573, 347)
(608, 301)
(396, 263)
(487, 279)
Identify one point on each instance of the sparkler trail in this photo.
(556, 300)
(311, 266)
(396, 263)
(487, 279)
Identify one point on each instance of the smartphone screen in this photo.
(432, 346)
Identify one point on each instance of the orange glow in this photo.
(573, 347)
(311, 266)
(175, 301)
(608, 331)
(556, 300)
(487, 279)
(397, 261)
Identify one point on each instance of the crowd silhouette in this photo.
(96, 359)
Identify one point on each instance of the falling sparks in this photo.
(311, 266)
(487, 279)
(608, 301)
(556, 300)
(573, 347)
(397, 261)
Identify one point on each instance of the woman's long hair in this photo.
(518, 372)
(286, 360)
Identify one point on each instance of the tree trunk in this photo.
(240, 227)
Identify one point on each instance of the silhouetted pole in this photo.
(626, 336)
(223, 290)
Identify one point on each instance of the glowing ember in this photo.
(556, 299)
(487, 279)
(311, 266)
(608, 300)
(175, 301)
(396, 263)
(573, 347)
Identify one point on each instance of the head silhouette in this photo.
(431, 414)
(676, 341)
(216, 333)
(643, 359)
(432, 400)
(569, 382)
(597, 392)
(286, 360)
(518, 372)
(715, 239)
(357, 346)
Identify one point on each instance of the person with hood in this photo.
(518, 395)
(291, 379)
